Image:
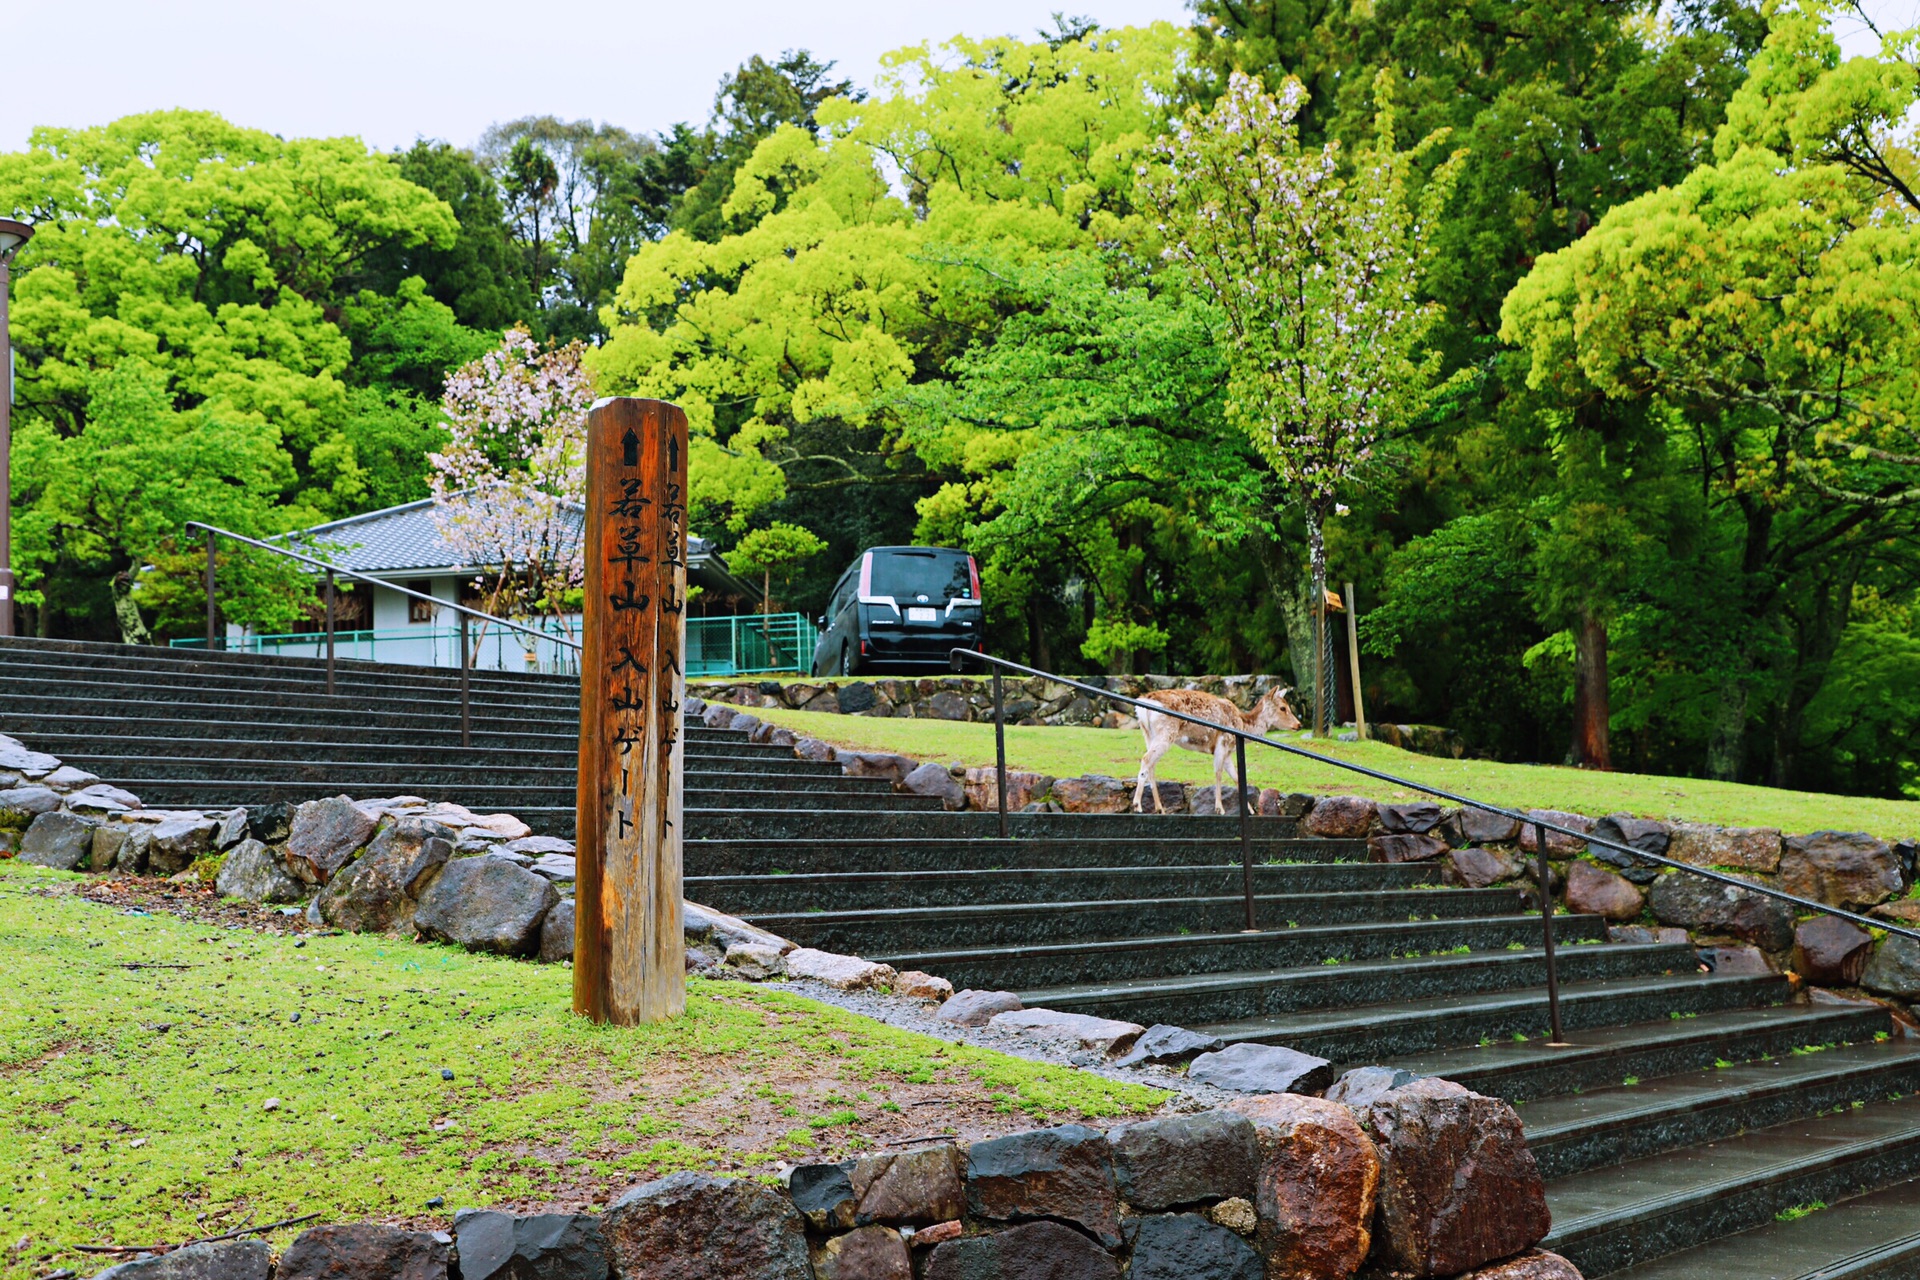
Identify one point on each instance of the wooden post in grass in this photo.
(1353, 658)
(629, 956)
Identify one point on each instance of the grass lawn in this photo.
(1062, 752)
(138, 1053)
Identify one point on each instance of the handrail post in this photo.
(210, 606)
(1000, 749)
(1246, 825)
(466, 714)
(1545, 874)
(329, 633)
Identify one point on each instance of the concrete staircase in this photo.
(1687, 1132)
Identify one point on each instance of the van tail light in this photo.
(973, 572)
(863, 648)
(866, 574)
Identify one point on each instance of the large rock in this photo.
(233, 829)
(382, 887)
(178, 841)
(1339, 818)
(1168, 1045)
(1831, 952)
(1534, 1264)
(1094, 793)
(1416, 818)
(221, 1260)
(1108, 1035)
(324, 836)
(1643, 834)
(932, 779)
(913, 1188)
(1035, 1251)
(254, 873)
(1745, 848)
(1406, 847)
(870, 1253)
(823, 1193)
(359, 1249)
(1185, 1246)
(692, 1226)
(843, 973)
(1182, 1160)
(105, 848)
(704, 924)
(915, 985)
(1846, 868)
(1458, 1186)
(1360, 1087)
(1559, 844)
(1596, 892)
(1065, 1174)
(1894, 969)
(876, 764)
(1262, 1068)
(1735, 962)
(27, 802)
(1317, 1184)
(972, 1008)
(1708, 906)
(858, 697)
(59, 840)
(556, 933)
(1477, 826)
(131, 856)
(17, 758)
(982, 788)
(541, 1246)
(1478, 868)
(486, 904)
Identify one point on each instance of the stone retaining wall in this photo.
(1032, 701)
(1427, 1179)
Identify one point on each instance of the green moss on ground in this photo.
(138, 1052)
(1064, 752)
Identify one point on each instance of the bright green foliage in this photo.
(179, 355)
(777, 548)
(140, 1051)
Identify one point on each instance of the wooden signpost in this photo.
(629, 955)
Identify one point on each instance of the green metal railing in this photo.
(751, 644)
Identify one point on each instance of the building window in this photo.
(419, 610)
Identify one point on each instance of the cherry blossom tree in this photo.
(510, 483)
(1315, 266)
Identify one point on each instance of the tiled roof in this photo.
(405, 539)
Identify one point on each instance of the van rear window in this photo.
(940, 576)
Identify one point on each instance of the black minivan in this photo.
(901, 608)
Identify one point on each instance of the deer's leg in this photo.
(1223, 760)
(1155, 750)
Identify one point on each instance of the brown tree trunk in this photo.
(1591, 707)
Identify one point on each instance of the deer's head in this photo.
(1275, 711)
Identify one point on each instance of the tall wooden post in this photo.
(629, 956)
(1353, 659)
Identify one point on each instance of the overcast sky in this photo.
(389, 71)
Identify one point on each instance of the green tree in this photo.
(1771, 298)
(1315, 271)
(777, 548)
(480, 275)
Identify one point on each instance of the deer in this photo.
(1164, 732)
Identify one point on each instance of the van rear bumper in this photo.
(918, 647)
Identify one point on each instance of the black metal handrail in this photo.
(332, 571)
(1540, 826)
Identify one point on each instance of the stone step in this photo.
(143, 683)
(485, 789)
(888, 890)
(1222, 997)
(93, 655)
(1601, 1056)
(1366, 1033)
(1038, 924)
(855, 855)
(1577, 1132)
(1185, 955)
(1609, 1219)
(1868, 1237)
(748, 824)
(62, 732)
(74, 691)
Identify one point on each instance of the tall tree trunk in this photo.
(1591, 706)
(1726, 746)
(1317, 554)
(1038, 655)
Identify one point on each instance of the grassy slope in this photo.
(1064, 752)
(148, 1085)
